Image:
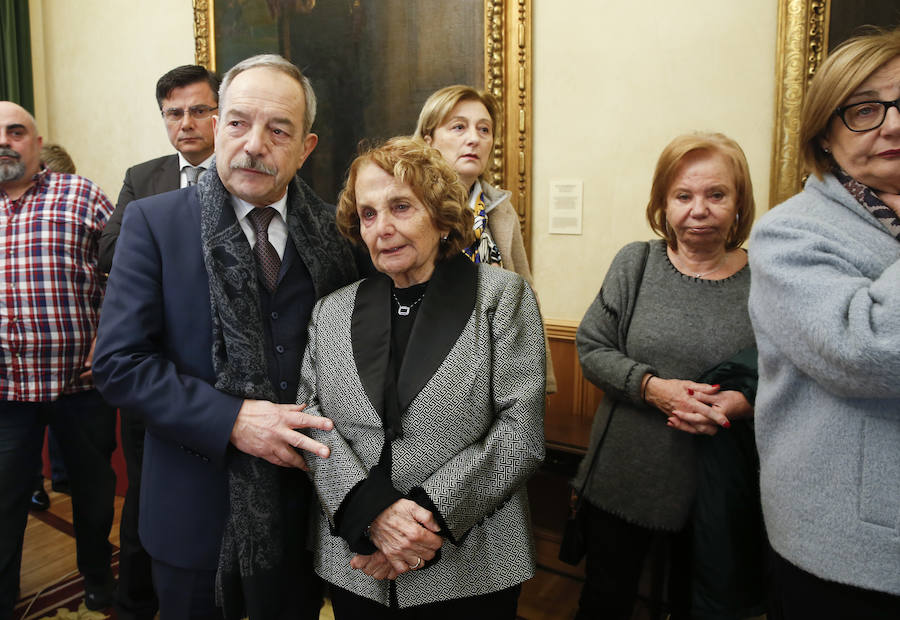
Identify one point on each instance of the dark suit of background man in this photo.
(202, 330)
(188, 97)
(50, 224)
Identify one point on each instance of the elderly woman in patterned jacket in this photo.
(433, 373)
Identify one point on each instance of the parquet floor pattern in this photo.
(49, 556)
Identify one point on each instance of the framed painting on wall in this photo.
(372, 64)
(807, 31)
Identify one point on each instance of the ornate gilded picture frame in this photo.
(807, 29)
(504, 64)
(802, 41)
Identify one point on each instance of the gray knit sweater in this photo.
(825, 304)
(680, 326)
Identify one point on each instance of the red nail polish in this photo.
(690, 392)
(726, 424)
(716, 386)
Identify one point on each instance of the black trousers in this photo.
(190, 594)
(500, 605)
(796, 594)
(135, 597)
(85, 427)
(185, 594)
(57, 466)
(616, 554)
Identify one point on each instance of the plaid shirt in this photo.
(50, 292)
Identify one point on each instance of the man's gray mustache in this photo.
(9, 153)
(252, 163)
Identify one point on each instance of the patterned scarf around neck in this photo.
(484, 249)
(870, 201)
(260, 546)
(252, 543)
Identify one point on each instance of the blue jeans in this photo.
(85, 427)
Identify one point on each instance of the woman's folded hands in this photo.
(406, 536)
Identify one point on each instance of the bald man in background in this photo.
(52, 291)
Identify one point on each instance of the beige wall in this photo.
(613, 83)
(96, 63)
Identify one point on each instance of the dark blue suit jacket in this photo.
(153, 356)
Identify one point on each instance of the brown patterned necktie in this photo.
(266, 257)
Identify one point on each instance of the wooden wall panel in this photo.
(570, 411)
(567, 427)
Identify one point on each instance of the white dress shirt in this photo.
(278, 232)
(182, 162)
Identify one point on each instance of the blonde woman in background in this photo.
(461, 122)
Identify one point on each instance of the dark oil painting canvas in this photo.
(372, 63)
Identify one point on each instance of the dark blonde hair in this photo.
(57, 159)
(441, 102)
(667, 168)
(841, 73)
(433, 182)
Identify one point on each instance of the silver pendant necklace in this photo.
(404, 310)
(706, 273)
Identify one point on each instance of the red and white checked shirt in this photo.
(50, 289)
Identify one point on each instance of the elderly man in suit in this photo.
(202, 330)
(187, 97)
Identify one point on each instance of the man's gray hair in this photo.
(278, 63)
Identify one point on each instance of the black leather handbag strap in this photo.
(637, 290)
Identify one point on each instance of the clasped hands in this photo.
(406, 536)
(696, 408)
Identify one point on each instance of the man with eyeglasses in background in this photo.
(188, 97)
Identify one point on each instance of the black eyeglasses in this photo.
(197, 112)
(866, 115)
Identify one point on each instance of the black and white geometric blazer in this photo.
(471, 391)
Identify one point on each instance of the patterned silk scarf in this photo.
(871, 202)
(483, 250)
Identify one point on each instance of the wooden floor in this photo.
(49, 550)
(549, 596)
(49, 556)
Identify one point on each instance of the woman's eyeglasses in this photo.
(866, 115)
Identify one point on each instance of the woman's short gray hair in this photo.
(278, 63)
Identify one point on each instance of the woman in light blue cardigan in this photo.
(825, 306)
